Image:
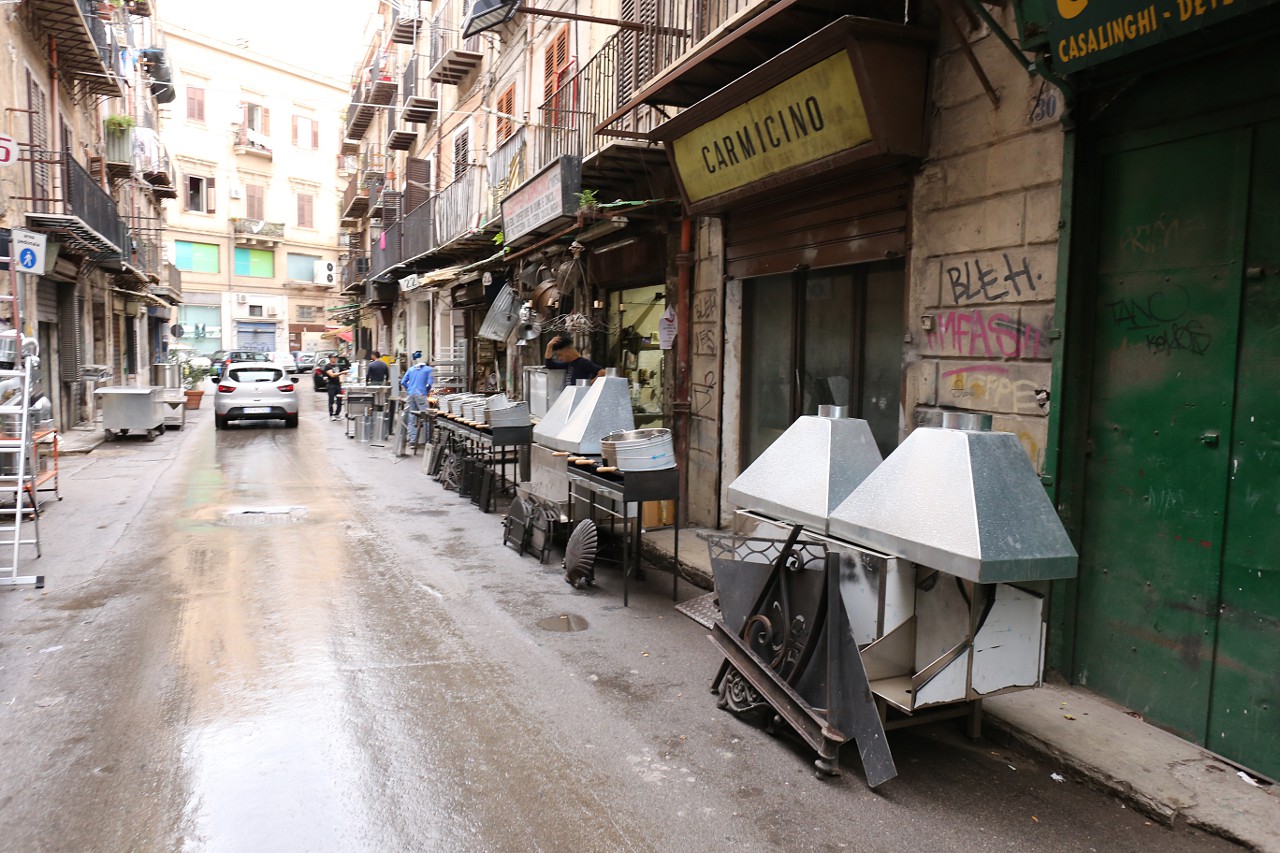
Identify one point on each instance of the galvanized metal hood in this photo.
(558, 415)
(604, 408)
(967, 503)
(808, 470)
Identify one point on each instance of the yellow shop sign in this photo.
(816, 113)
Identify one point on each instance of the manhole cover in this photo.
(564, 622)
(261, 516)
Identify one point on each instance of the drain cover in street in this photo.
(260, 516)
(564, 622)
(704, 610)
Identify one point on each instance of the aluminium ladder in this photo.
(18, 473)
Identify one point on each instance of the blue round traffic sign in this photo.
(27, 259)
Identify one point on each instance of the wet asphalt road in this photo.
(271, 639)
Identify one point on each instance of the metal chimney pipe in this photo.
(972, 421)
(833, 411)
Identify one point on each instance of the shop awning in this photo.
(337, 335)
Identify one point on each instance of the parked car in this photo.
(255, 390)
(306, 361)
(318, 377)
(222, 358)
(284, 359)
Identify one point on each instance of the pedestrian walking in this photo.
(417, 382)
(333, 374)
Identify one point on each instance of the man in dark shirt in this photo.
(561, 354)
(377, 373)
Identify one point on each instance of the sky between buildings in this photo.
(325, 36)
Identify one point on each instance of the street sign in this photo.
(8, 150)
(27, 248)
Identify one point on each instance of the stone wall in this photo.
(706, 378)
(985, 223)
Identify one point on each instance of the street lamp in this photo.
(487, 14)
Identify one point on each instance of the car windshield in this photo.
(255, 374)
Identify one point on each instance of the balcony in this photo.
(83, 216)
(87, 48)
(418, 233)
(406, 23)
(402, 136)
(452, 58)
(417, 106)
(385, 253)
(460, 220)
(252, 142)
(169, 288)
(352, 272)
(256, 232)
(569, 118)
(508, 169)
(119, 151)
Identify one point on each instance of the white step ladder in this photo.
(19, 506)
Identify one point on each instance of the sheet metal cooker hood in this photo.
(808, 470)
(605, 407)
(558, 415)
(964, 502)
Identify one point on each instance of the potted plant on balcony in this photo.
(117, 129)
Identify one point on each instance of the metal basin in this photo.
(639, 449)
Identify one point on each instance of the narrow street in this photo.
(272, 639)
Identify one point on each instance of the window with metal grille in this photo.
(461, 153)
(255, 201)
(506, 112)
(195, 103)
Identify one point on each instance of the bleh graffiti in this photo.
(991, 282)
(979, 333)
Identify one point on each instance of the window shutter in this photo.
(461, 153)
(549, 71)
(254, 203)
(295, 129)
(506, 108)
(185, 183)
(210, 196)
(315, 134)
(266, 122)
(417, 184)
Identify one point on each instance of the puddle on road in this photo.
(566, 622)
(264, 515)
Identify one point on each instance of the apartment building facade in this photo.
(255, 226)
(85, 93)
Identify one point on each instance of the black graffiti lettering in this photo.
(1022, 273)
(1180, 337)
(1150, 312)
(706, 307)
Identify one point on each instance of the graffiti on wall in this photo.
(985, 280)
(707, 338)
(1160, 322)
(983, 333)
(994, 387)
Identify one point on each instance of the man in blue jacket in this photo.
(417, 382)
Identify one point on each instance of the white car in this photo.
(255, 391)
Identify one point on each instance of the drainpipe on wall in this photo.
(680, 409)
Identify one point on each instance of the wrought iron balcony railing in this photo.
(257, 228)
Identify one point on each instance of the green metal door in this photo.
(1244, 715)
(1166, 316)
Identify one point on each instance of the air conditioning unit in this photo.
(326, 272)
(236, 192)
(242, 298)
(271, 312)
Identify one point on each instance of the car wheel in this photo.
(219, 421)
(291, 421)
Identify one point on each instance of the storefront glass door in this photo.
(634, 348)
(822, 337)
